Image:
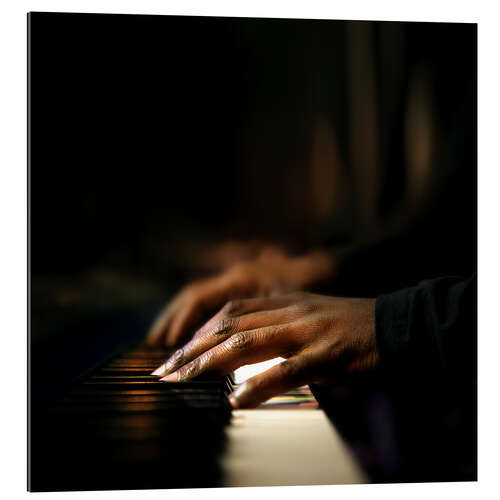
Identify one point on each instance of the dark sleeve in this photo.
(429, 330)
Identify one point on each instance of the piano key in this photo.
(143, 393)
(125, 371)
(124, 378)
(133, 363)
(151, 408)
(165, 386)
(126, 399)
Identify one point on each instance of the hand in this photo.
(272, 273)
(322, 338)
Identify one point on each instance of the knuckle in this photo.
(190, 370)
(176, 359)
(240, 341)
(224, 326)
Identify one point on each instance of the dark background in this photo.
(138, 124)
(163, 148)
(154, 139)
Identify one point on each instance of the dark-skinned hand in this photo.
(274, 272)
(324, 339)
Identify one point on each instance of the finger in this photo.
(211, 296)
(203, 302)
(279, 379)
(160, 325)
(242, 348)
(216, 332)
(186, 318)
(240, 308)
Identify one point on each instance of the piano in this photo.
(117, 427)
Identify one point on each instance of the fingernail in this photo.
(233, 402)
(158, 371)
(235, 396)
(170, 378)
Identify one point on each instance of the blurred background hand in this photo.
(270, 273)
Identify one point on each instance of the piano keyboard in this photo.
(121, 428)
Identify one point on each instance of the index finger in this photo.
(244, 347)
(235, 316)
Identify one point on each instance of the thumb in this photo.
(281, 378)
